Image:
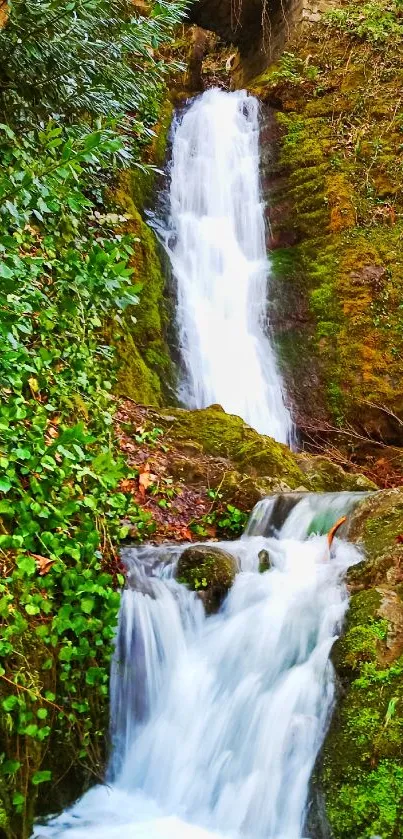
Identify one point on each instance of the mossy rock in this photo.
(341, 204)
(255, 455)
(208, 570)
(325, 476)
(361, 769)
(145, 370)
(228, 436)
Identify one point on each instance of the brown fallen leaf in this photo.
(146, 478)
(126, 485)
(43, 564)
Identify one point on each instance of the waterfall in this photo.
(217, 721)
(216, 243)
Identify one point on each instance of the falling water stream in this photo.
(216, 243)
(217, 721)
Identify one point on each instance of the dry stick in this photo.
(333, 530)
(348, 431)
(330, 536)
(31, 691)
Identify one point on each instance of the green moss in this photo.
(362, 766)
(378, 523)
(142, 181)
(362, 812)
(340, 171)
(225, 435)
(145, 369)
(254, 455)
(200, 563)
(209, 570)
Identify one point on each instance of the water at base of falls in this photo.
(216, 243)
(217, 721)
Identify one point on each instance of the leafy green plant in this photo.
(200, 583)
(376, 21)
(151, 438)
(292, 69)
(64, 273)
(229, 521)
(81, 61)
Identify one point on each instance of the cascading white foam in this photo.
(217, 721)
(216, 243)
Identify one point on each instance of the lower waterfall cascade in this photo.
(215, 239)
(217, 721)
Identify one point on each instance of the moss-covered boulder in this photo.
(361, 770)
(208, 450)
(208, 570)
(269, 464)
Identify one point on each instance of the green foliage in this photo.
(62, 273)
(377, 21)
(84, 60)
(70, 73)
(228, 521)
(200, 583)
(290, 68)
(373, 809)
(151, 438)
(362, 757)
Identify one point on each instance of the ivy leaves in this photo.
(63, 274)
(80, 85)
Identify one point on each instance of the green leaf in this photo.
(7, 508)
(93, 675)
(31, 609)
(65, 653)
(50, 696)
(5, 272)
(41, 777)
(18, 800)
(27, 564)
(10, 767)
(9, 703)
(31, 730)
(87, 605)
(5, 485)
(23, 454)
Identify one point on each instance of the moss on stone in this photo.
(208, 570)
(145, 369)
(253, 456)
(340, 170)
(361, 770)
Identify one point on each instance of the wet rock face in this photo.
(208, 570)
(335, 222)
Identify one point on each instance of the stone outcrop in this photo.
(361, 770)
(210, 571)
(210, 448)
(332, 189)
(258, 28)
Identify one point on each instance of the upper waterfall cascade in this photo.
(217, 721)
(215, 239)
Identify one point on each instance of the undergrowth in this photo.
(64, 273)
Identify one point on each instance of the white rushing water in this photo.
(216, 244)
(217, 721)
